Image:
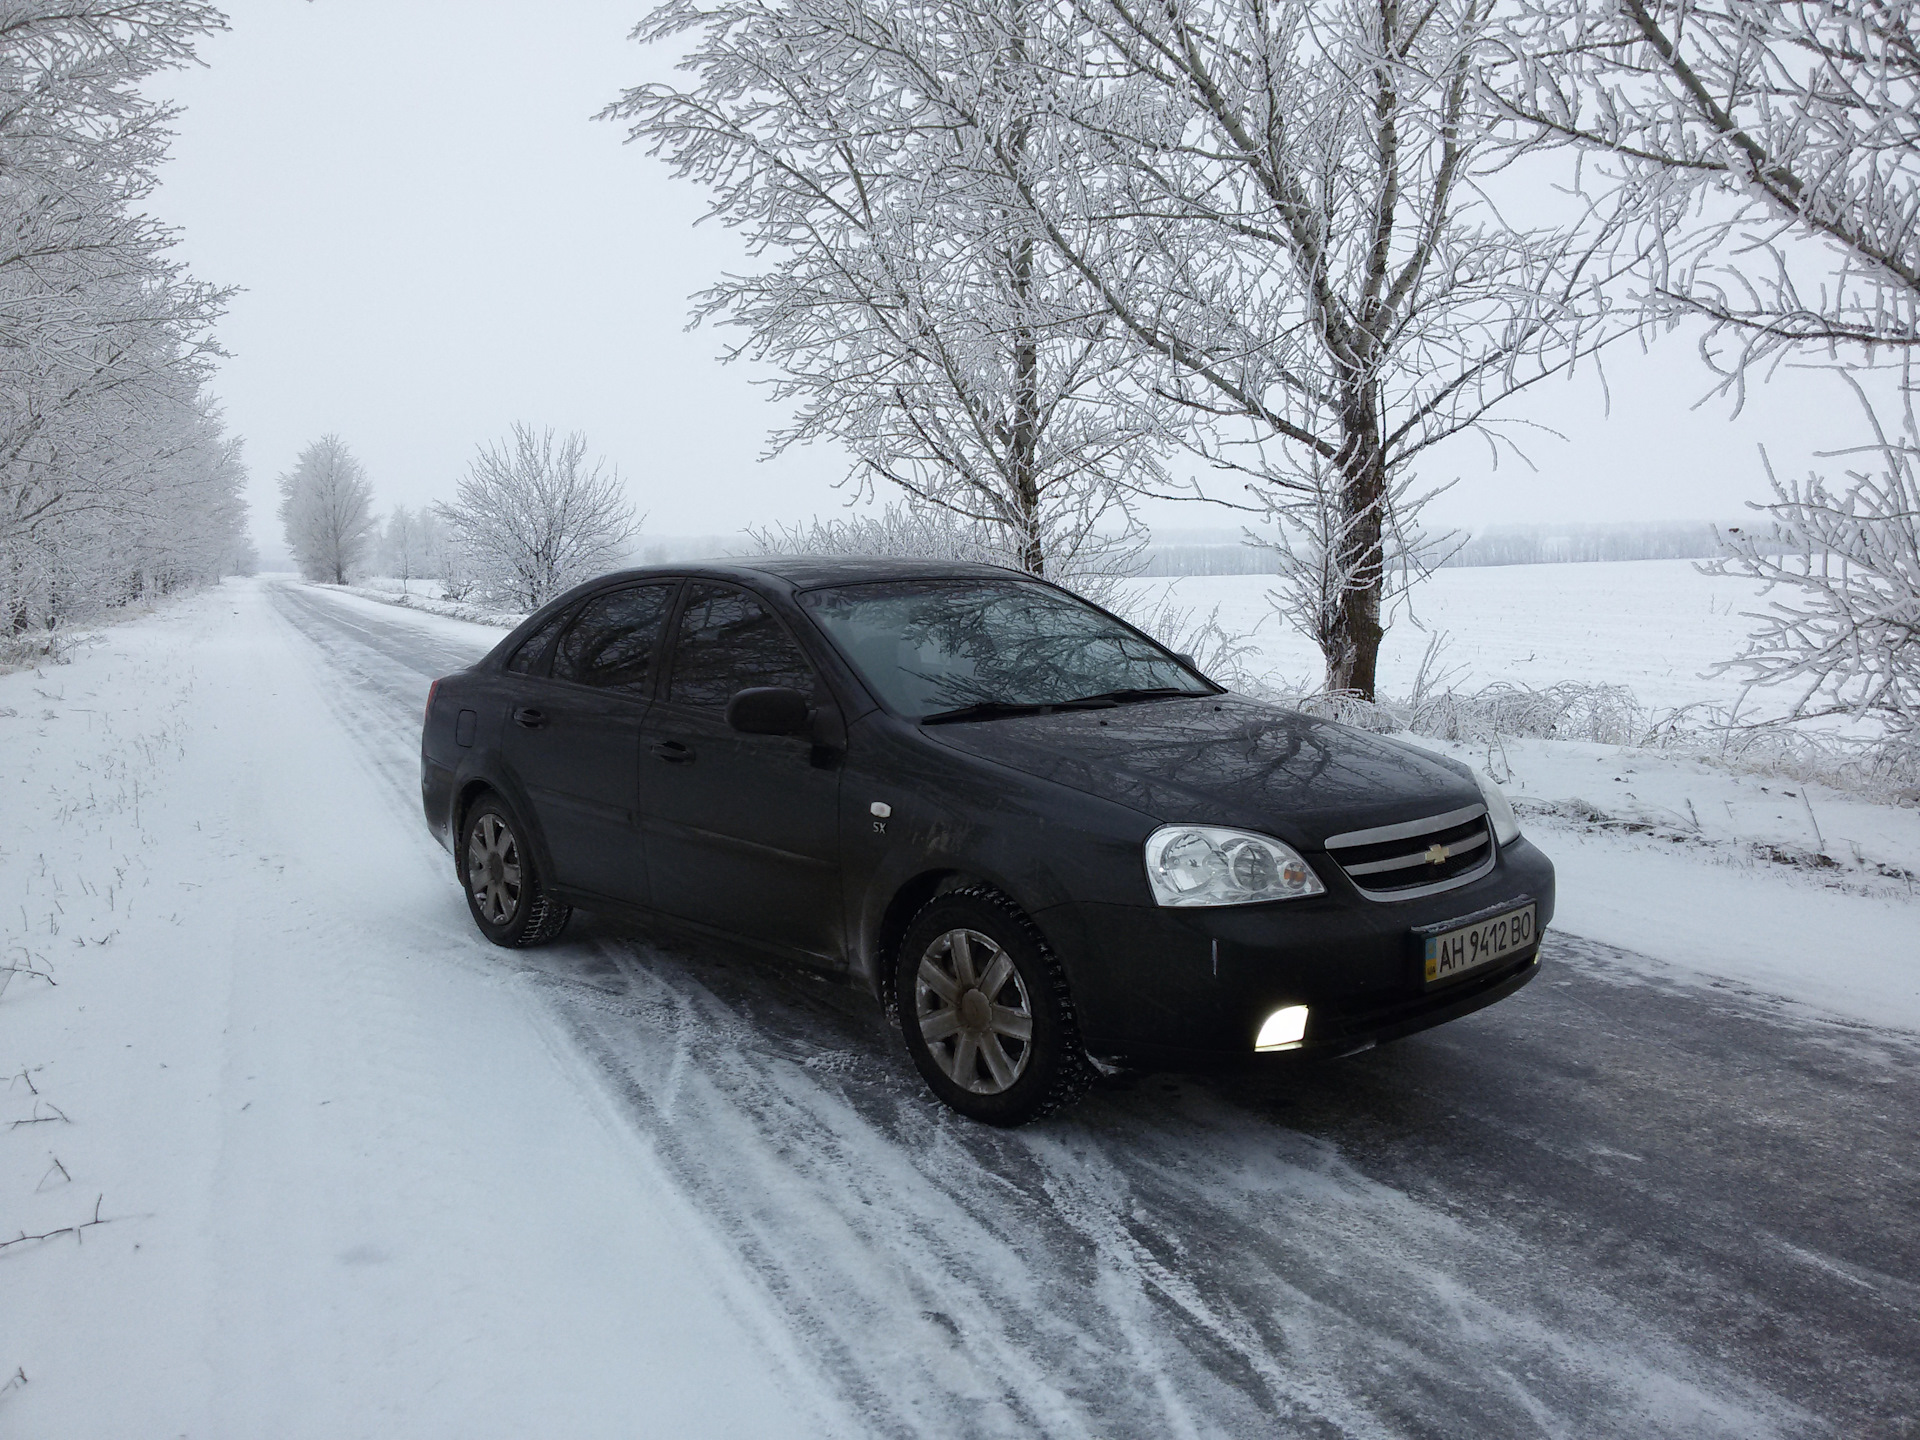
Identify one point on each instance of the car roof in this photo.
(807, 572)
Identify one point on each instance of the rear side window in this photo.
(727, 642)
(612, 641)
(534, 648)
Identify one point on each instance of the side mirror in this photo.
(769, 710)
(1186, 659)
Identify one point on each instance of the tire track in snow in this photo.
(1427, 1239)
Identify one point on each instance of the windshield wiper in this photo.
(1000, 709)
(1149, 692)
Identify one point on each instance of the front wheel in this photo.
(505, 894)
(985, 1010)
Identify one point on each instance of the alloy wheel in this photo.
(974, 1012)
(493, 870)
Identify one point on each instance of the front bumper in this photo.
(1173, 986)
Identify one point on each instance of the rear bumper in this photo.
(1171, 986)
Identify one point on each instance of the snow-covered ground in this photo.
(348, 1184)
(357, 1173)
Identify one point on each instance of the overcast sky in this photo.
(434, 239)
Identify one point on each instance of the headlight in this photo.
(1506, 825)
(1210, 865)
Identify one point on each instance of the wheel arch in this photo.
(909, 898)
(468, 792)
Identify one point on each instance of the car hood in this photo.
(1225, 760)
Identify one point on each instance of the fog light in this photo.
(1284, 1029)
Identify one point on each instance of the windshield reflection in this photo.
(930, 646)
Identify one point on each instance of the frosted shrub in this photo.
(530, 519)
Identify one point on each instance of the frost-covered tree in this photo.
(326, 507)
(115, 478)
(1774, 143)
(403, 544)
(1775, 146)
(1287, 205)
(1846, 637)
(906, 298)
(443, 557)
(533, 517)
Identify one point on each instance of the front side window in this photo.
(932, 646)
(727, 642)
(613, 641)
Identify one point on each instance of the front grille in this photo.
(1418, 857)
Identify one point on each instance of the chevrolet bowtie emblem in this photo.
(1438, 854)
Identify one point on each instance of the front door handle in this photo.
(673, 752)
(528, 716)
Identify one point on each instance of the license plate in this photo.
(1454, 952)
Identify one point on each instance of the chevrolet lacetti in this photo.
(1048, 845)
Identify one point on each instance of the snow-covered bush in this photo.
(532, 518)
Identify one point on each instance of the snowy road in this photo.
(1610, 1206)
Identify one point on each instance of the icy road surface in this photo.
(1614, 1205)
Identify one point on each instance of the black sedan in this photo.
(1048, 845)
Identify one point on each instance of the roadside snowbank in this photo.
(411, 599)
(482, 628)
(295, 1144)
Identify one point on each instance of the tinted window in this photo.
(726, 643)
(534, 648)
(932, 645)
(612, 642)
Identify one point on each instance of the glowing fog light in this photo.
(1283, 1030)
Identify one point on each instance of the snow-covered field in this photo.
(1656, 626)
(357, 1173)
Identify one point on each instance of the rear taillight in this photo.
(432, 690)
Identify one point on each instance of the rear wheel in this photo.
(985, 1010)
(502, 881)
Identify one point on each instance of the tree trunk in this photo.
(1350, 630)
(1023, 452)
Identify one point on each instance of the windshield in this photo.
(933, 646)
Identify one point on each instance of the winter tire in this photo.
(985, 1011)
(502, 881)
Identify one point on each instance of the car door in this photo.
(742, 830)
(573, 739)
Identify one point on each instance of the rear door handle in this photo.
(672, 751)
(528, 716)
